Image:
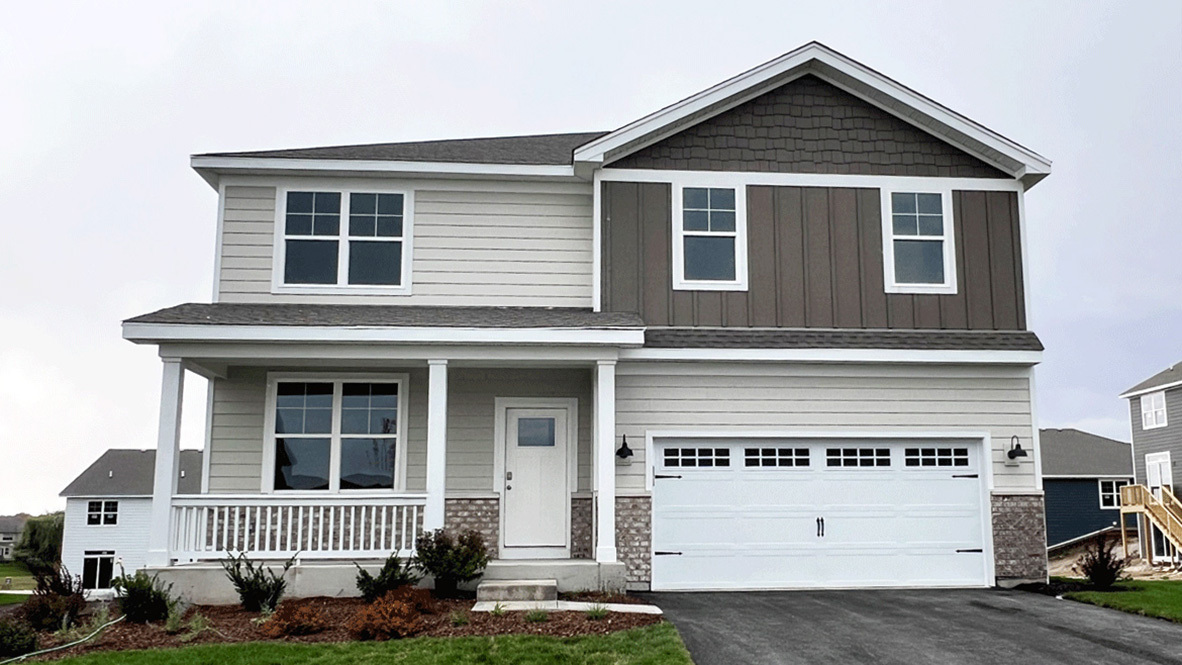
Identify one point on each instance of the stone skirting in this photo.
(483, 515)
(634, 538)
(1019, 538)
(581, 526)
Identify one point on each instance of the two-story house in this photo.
(11, 528)
(1157, 448)
(771, 336)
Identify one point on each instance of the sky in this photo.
(102, 219)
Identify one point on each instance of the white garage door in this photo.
(764, 514)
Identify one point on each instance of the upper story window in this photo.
(102, 512)
(709, 239)
(346, 241)
(1153, 410)
(918, 247)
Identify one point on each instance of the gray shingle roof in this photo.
(539, 149)
(130, 473)
(247, 314)
(824, 338)
(1172, 374)
(1070, 452)
(13, 523)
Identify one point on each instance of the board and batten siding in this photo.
(708, 396)
(128, 538)
(814, 260)
(1158, 440)
(512, 244)
(238, 431)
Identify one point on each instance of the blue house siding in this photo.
(1073, 509)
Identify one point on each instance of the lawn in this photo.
(21, 579)
(11, 599)
(1153, 598)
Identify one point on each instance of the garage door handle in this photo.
(660, 476)
(820, 527)
(666, 553)
(977, 550)
(965, 475)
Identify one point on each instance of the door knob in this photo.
(508, 487)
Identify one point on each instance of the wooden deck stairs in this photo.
(1161, 509)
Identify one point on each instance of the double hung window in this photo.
(709, 239)
(918, 247)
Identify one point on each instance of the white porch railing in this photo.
(210, 526)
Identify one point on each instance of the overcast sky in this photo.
(101, 105)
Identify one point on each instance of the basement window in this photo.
(918, 247)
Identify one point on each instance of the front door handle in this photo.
(508, 475)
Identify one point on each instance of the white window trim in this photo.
(1100, 486)
(278, 286)
(888, 244)
(1147, 409)
(678, 235)
(103, 512)
(334, 465)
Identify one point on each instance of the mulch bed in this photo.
(232, 624)
(1058, 588)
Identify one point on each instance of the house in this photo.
(1082, 476)
(1157, 448)
(11, 528)
(771, 336)
(108, 513)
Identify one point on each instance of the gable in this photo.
(808, 126)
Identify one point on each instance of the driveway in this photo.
(912, 627)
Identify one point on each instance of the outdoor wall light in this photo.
(1016, 449)
(624, 452)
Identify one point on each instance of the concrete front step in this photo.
(509, 590)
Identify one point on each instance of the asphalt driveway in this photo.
(913, 627)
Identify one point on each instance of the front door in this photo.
(536, 492)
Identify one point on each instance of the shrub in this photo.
(384, 619)
(459, 618)
(1101, 565)
(55, 580)
(498, 609)
(259, 588)
(419, 599)
(293, 619)
(93, 623)
(17, 638)
(196, 625)
(596, 612)
(451, 559)
(57, 602)
(40, 545)
(537, 616)
(144, 598)
(395, 573)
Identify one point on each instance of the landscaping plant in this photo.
(196, 625)
(498, 609)
(451, 559)
(395, 573)
(597, 612)
(144, 598)
(294, 619)
(57, 601)
(459, 618)
(40, 545)
(1101, 565)
(537, 616)
(17, 638)
(384, 619)
(259, 588)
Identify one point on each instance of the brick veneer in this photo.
(581, 518)
(808, 126)
(481, 514)
(634, 537)
(1019, 537)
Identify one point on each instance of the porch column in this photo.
(605, 461)
(168, 443)
(436, 444)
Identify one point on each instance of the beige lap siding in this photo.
(474, 243)
(855, 398)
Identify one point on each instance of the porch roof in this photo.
(827, 338)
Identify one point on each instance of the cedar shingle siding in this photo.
(808, 126)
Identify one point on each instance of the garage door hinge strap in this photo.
(660, 476)
(966, 475)
(972, 550)
(666, 553)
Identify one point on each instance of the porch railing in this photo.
(210, 526)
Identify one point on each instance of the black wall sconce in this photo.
(1016, 449)
(624, 452)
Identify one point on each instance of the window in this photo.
(338, 435)
(936, 457)
(697, 457)
(1153, 410)
(1110, 493)
(761, 457)
(709, 239)
(918, 250)
(355, 240)
(102, 512)
(97, 569)
(858, 457)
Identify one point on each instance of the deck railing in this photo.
(210, 526)
(1163, 510)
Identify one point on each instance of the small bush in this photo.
(451, 559)
(259, 588)
(419, 599)
(196, 625)
(175, 621)
(57, 602)
(597, 612)
(537, 616)
(386, 618)
(1101, 565)
(498, 609)
(55, 580)
(459, 618)
(96, 620)
(395, 573)
(144, 598)
(17, 638)
(292, 619)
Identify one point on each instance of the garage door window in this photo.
(697, 457)
(858, 457)
(936, 457)
(761, 457)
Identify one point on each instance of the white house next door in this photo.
(536, 487)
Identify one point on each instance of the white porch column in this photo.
(605, 461)
(436, 444)
(168, 443)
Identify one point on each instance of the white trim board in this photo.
(152, 333)
(1143, 391)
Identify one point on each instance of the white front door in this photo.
(536, 490)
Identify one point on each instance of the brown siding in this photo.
(814, 260)
(808, 126)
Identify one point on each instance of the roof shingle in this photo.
(1172, 374)
(827, 338)
(1070, 452)
(131, 473)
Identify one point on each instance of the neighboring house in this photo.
(773, 335)
(108, 513)
(1157, 448)
(11, 528)
(1082, 476)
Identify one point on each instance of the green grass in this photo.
(21, 578)
(1152, 598)
(652, 645)
(11, 599)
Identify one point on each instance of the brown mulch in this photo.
(232, 624)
